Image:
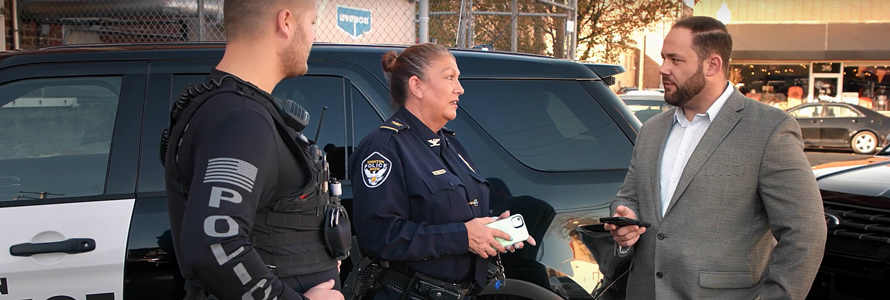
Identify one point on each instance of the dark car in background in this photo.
(856, 195)
(841, 125)
(83, 188)
(645, 104)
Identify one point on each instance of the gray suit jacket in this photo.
(746, 220)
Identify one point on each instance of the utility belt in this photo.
(371, 276)
(422, 287)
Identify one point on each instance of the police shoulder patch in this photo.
(375, 169)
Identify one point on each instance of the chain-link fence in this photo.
(530, 26)
(57, 22)
(527, 26)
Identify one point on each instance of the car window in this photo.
(364, 120)
(810, 111)
(838, 111)
(548, 125)
(56, 136)
(317, 94)
(313, 93)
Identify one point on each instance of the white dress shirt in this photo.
(681, 142)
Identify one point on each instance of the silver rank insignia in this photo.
(375, 169)
(433, 142)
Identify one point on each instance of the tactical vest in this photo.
(300, 234)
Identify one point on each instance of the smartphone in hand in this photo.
(623, 221)
(514, 226)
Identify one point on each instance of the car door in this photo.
(68, 158)
(809, 116)
(839, 124)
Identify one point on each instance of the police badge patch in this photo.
(375, 169)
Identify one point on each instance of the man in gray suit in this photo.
(734, 207)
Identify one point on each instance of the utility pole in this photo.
(461, 25)
(514, 27)
(201, 24)
(15, 26)
(424, 18)
(573, 43)
(3, 25)
(471, 26)
(571, 24)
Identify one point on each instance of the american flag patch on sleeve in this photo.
(231, 171)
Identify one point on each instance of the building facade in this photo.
(791, 52)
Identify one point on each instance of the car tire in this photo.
(864, 142)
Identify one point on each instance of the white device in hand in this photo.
(514, 226)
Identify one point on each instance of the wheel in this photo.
(864, 142)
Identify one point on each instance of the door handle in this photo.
(70, 246)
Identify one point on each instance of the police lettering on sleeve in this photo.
(229, 157)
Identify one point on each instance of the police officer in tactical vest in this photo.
(252, 211)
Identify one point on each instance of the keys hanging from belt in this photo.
(500, 276)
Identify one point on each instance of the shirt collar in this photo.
(432, 138)
(711, 113)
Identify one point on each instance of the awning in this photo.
(827, 42)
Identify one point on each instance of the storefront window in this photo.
(869, 85)
(783, 86)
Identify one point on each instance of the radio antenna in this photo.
(320, 119)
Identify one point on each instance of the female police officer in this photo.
(422, 205)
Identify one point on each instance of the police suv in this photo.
(82, 202)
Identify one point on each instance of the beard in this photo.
(686, 91)
(293, 59)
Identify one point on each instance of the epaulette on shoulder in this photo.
(448, 131)
(394, 125)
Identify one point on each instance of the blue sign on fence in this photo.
(353, 21)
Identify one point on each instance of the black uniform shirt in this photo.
(413, 190)
(232, 161)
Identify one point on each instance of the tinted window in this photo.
(364, 120)
(547, 125)
(182, 81)
(365, 117)
(319, 94)
(56, 136)
(811, 111)
(314, 93)
(838, 111)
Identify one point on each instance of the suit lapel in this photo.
(725, 121)
(661, 133)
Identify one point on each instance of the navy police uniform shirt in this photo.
(413, 190)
